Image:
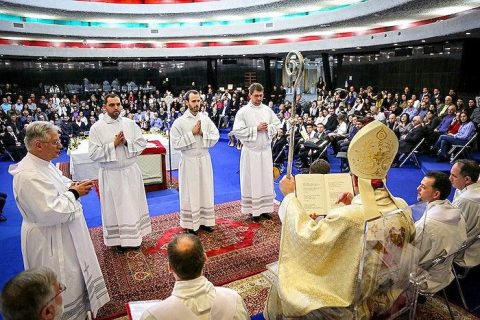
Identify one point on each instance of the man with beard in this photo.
(115, 142)
(193, 134)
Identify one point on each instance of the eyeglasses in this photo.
(61, 288)
(55, 143)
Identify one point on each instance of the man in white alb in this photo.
(54, 232)
(255, 125)
(440, 231)
(464, 177)
(115, 142)
(193, 134)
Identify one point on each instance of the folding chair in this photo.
(419, 282)
(458, 277)
(465, 149)
(412, 155)
(343, 159)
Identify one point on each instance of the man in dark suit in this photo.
(14, 144)
(408, 141)
(78, 126)
(311, 149)
(332, 122)
(66, 131)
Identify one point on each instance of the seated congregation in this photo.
(367, 259)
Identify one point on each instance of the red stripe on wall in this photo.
(120, 45)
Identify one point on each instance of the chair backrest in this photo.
(466, 245)
(387, 260)
(473, 138)
(418, 145)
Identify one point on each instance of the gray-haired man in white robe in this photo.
(54, 232)
(464, 176)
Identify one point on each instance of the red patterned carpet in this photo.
(238, 248)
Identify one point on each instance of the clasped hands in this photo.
(197, 128)
(119, 139)
(82, 187)
(262, 126)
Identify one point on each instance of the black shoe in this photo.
(266, 216)
(2, 218)
(256, 219)
(207, 228)
(121, 249)
(191, 231)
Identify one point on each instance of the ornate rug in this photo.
(237, 249)
(65, 168)
(254, 291)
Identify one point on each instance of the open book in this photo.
(319, 192)
(135, 309)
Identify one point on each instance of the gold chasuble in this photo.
(319, 263)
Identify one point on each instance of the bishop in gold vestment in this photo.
(319, 262)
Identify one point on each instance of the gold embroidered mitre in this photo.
(372, 150)
(370, 155)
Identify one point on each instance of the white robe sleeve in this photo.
(241, 131)
(211, 135)
(42, 199)
(423, 241)
(98, 151)
(180, 140)
(282, 210)
(241, 312)
(273, 126)
(137, 144)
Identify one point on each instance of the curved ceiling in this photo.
(218, 27)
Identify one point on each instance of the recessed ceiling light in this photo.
(395, 44)
(423, 40)
(467, 33)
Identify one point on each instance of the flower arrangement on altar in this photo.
(156, 131)
(75, 142)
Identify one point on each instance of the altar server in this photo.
(193, 134)
(115, 142)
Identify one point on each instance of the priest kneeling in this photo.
(320, 261)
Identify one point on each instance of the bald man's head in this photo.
(186, 256)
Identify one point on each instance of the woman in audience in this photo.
(465, 133)
(404, 126)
